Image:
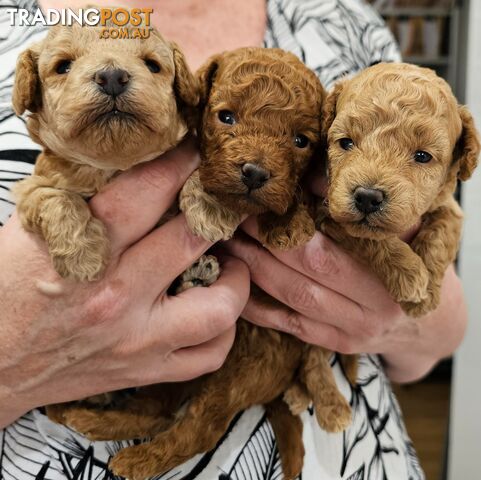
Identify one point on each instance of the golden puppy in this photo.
(261, 120)
(98, 106)
(398, 142)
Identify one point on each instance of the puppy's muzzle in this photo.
(254, 176)
(368, 200)
(113, 82)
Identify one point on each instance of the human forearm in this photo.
(62, 341)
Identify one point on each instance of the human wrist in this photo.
(408, 366)
(417, 345)
(405, 353)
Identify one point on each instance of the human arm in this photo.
(63, 341)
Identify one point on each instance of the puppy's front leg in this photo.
(401, 270)
(333, 411)
(293, 229)
(76, 241)
(437, 243)
(205, 215)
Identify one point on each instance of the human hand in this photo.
(63, 341)
(336, 302)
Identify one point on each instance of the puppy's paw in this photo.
(292, 462)
(137, 463)
(414, 294)
(334, 414)
(416, 310)
(215, 231)
(285, 239)
(56, 412)
(202, 273)
(205, 215)
(422, 308)
(84, 257)
(212, 225)
(297, 399)
(291, 230)
(411, 286)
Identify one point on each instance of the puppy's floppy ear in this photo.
(185, 84)
(329, 109)
(466, 151)
(206, 76)
(26, 89)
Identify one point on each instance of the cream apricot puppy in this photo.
(97, 107)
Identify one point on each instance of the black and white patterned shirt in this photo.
(335, 38)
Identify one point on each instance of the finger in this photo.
(132, 204)
(180, 365)
(291, 322)
(154, 262)
(327, 264)
(147, 368)
(202, 313)
(296, 290)
(192, 362)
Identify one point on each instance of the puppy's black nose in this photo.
(368, 200)
(254, 176)
(113, 81)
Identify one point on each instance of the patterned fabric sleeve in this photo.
(335, 38)
(17, 151)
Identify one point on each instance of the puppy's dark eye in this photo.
(346, 143)
(63, 67)
(422, 157)
(225, 116)
(152, 65)
(301, 141)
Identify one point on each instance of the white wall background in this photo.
(465, 432)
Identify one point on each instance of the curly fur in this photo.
(82, 147)
(275, 97)
(390, 111)
(288, 102)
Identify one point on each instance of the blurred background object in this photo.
(428, 32)
(465, 425)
